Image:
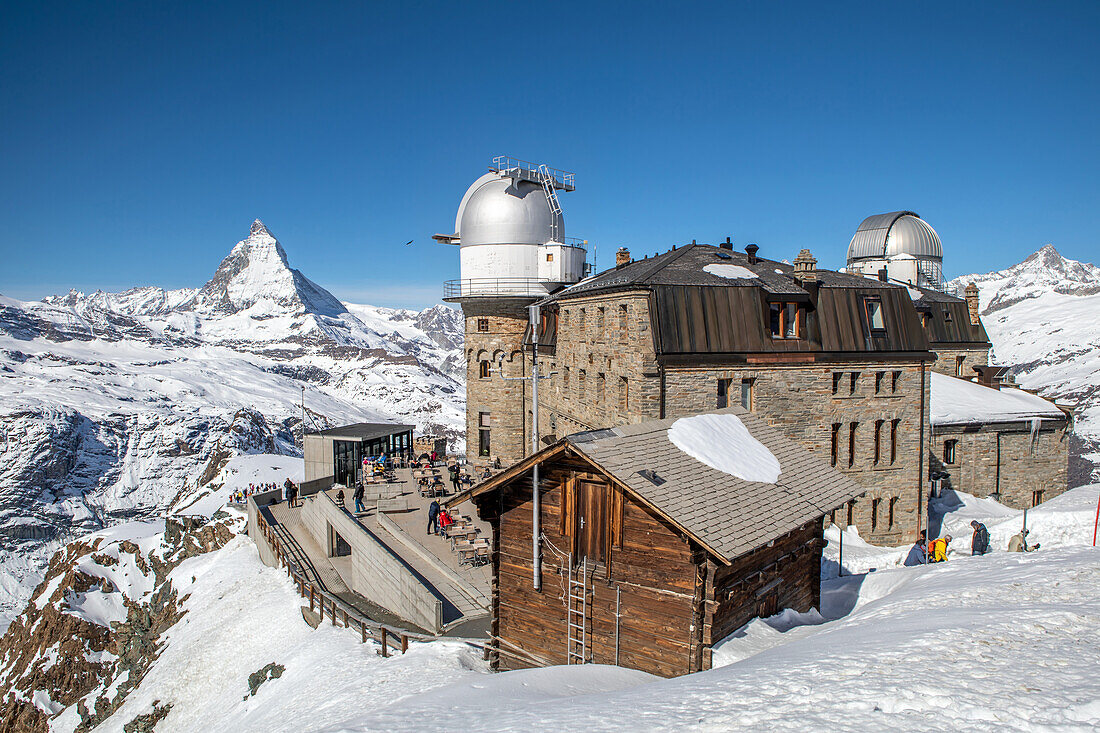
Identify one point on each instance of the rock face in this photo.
(93, 625)
(1041, 317)
(122, 405)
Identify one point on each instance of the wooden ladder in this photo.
(576, 617)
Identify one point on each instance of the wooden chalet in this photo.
(649, 556)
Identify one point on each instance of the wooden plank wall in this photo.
(653, 572)
(794, 560)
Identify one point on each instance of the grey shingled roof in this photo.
(729, 515)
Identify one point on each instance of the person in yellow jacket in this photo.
(937, 549)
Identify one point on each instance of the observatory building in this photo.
(512, 251)
(901, 243)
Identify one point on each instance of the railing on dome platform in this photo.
(563, 180)
(494, 287)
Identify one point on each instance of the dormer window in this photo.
(946, 315)
(875, 319)
(787, 320)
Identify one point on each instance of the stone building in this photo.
(996, 440)
(841, 362)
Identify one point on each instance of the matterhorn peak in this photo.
(257, 274)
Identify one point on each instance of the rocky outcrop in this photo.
(60, 651)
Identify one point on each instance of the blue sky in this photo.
(140, 140)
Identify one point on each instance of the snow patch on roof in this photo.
(957, 401)
(725, 444)
(730, 272)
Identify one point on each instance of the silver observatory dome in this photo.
(505, 210)
(884, 236)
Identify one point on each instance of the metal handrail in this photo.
(503, 286)
(562, 179)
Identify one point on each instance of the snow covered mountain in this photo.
(122, 405)
(1041, 316)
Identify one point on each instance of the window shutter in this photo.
(568, 505)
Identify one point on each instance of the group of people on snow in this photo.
(924, 551)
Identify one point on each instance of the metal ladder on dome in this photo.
(577, 651)
(547, 179)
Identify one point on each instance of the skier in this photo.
(454, 476)
(433, 517)
(979, 545)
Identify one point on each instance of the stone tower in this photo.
(512, 252)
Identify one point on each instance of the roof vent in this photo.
(752, 249)
(651, 476)
(723, 255)
(726, 244)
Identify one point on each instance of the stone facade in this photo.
(494, 331)
(959, 362)
(1004, 459)
(799, 398)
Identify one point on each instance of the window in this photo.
(549, 256)
(851, 511)
(483, 325)
(484, 421)
(873, 307)
(600, 388)
(483, 369)
(895, 380)
(890, 512)
(623, 327)
(1036, 497)
(599, 322)
(946, 315)
(959, 365)
(925, 318)
(582, 321)
(878, 440)
(786, 320)
(581, 379)
(624, 394)
(852, 443)
(949, 451)
(724, 386)
(835, 446)
(879, 376)
(894, 440)
(853, 380)
(874, 513)
(565, 382)
(565, 318)
(837, 376)
(746, 393)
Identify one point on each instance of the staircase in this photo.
(578, 615)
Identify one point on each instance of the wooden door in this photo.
(591, 522)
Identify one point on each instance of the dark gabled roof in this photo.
(687, 266)
(365, 430)
(727, 515)
(950, 318)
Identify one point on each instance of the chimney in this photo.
(726, 244)
(883, 275)
(622, 257)
(805, 267)
(991, 376)
(971, 296)
(752, 249)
